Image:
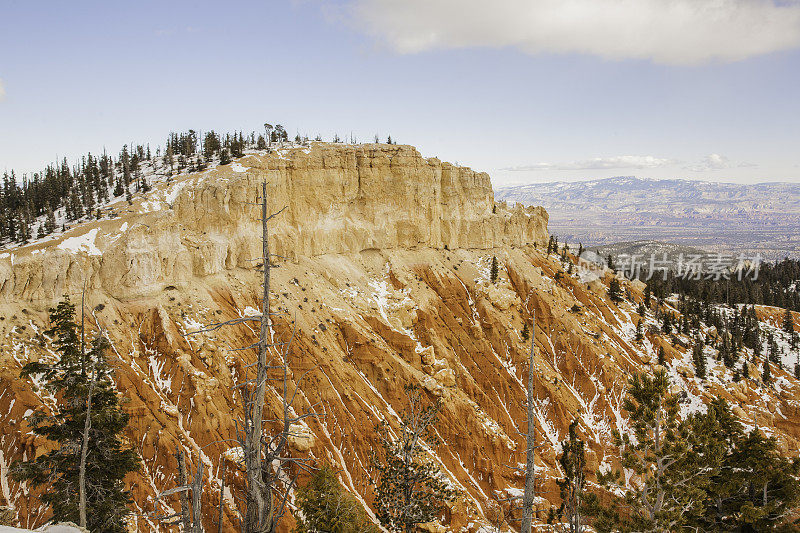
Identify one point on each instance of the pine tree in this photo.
(749, 487)
(661, 458)
(614, 290)
(662, 356)
(225, 157)
(326, 506)
(788, 323)
(526, 334)
(119, 189)
(49, 222)
(639, 331)
(107, 461)
(409, 490)
(666, 327)
(699, 360)
(494, 271)
(758, 347)
(24, 231)
(769, 494)
(774, 352)
(126, 165)
(571, 486)
(169, 158)
(766, 375)
(788, 328)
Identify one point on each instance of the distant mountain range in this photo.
(729, 217)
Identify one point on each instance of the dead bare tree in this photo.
(190, 514)
(526, 502)
(530, 452)
(87, 424)
(197, 493)
(221, 499)
(266, 458)
(85, 448)
(184, 494)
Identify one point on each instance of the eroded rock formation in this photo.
(385, 271)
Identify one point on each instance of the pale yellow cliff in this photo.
(338, 199)
(384, 261)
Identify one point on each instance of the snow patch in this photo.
(83, 243)
(172, 192)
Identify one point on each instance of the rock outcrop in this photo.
(384, 274)
(337, 199)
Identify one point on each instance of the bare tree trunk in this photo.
(87, 423)
(221, 498)
(258, 516)
(530, 460)
(185, 517)
(197, 492)
(261, 454)
(85, 450)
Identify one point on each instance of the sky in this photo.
(527, 90)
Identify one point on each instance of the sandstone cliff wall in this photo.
(378, 302)
(338, 199)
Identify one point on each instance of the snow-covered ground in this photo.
(156, 174)
(53, 528)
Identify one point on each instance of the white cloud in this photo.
(716, 162)
(2, 89)
(676, 32)
(601, 163)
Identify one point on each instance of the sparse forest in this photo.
(41, 203)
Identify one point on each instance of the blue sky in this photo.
(529, 90)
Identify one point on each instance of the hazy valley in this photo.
(717, 217)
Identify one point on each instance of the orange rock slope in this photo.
(384, 269)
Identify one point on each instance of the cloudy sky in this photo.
(528, 90)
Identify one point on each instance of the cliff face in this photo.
(385, 272)
(338, 200)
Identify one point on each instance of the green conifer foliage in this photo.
(108, 461)
(660, 456)
(749, 486)
(788, 322)
(326, 506)
(571, 486)
(614, 290)
(410, 489)
(766, 374)
(699, 360)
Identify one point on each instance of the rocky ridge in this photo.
(384, 269)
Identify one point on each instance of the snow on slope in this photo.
(54, 528)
